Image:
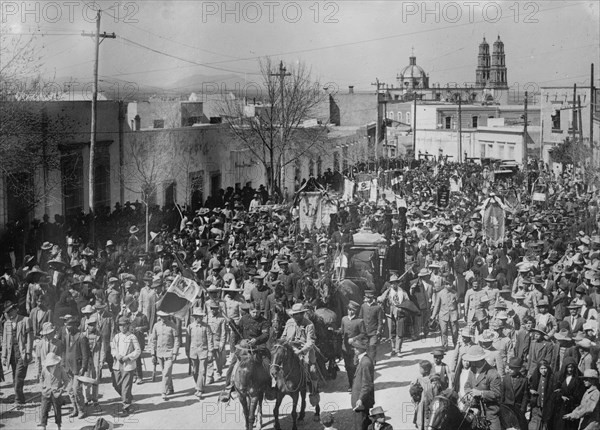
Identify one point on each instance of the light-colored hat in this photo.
(198, 312)
(51, 359)
(424, 272)
(133, 229)
(465, 332)
(589, 326)
(162, 314)
(585, 343)
(47, 328)
(488, 336)
(590, 373)
(297, 308)
(563, 334)
(88, 309)
(475, 353)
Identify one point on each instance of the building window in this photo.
(510, 155)
(400, 116)
(448, 123)
(556, 121)
(482, 148)
(197, 189)
(391, 115)
(159, 123)
(102, 177)
(71, 165)
(408, 117)
(474, 121)
(170, 193)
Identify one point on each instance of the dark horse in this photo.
(292, 378)
(251, 379)
(445, 415)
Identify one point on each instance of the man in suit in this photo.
(485, 385)
(446, 310)
(372, 315)
(161, 261)
(575, 320)
(363, 386)
(17, 344)
(77, 355)
(351, 327)
(515, 390)
(392, 298)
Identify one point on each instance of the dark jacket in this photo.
(77, 353)
(363, 387)
(515, 392)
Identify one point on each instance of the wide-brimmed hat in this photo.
(297, 308)
(35, 271)
(198, 312)
(564, 334)
(590, 374)
(574, 305)
(46, 246)
(99, 304)
(47, 328)
(539, 329)
(488, 336)
(475, 353)
(543, 302)
(457, 229)
(424, 272)
(87, 309)
(51, 359)
(589, 325)
(133, 229)
(465, 332)
(377, 410)
(394, 278)
(438, 352)
(101, 424)
(519, 295)
(162, 314)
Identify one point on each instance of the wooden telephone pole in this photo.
(377, 122)
(98, 38)
(281, 74)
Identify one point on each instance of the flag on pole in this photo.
(363, 186)
(179, 297)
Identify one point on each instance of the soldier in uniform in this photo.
(218, 326)
(200, 348)
(351, 327)
(164, 344)
(474, 312)
(253, 331)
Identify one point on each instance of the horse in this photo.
(292, 378)
(329, 344)
(336, 295)
(446, 415)
(251, 379)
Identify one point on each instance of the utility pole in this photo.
(525, 131)
(282, 74)
(574, 128)
(414, 127)
(97, 36)
(592, 101)
(377, 122)
(460, 128)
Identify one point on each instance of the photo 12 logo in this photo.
(470, 11)
(269, 12)
(66, 11)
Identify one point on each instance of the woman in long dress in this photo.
(568, 391)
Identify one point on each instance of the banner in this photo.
(443, 196)
(363, 186)
(373, 189)
(493, 219)
(348, 190)
(179, 297)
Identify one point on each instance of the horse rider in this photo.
(301, 332)
(253, 333)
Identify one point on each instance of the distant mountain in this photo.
(216, 84)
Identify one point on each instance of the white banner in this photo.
(373, 193)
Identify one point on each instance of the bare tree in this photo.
(149, 162)
(275, 131)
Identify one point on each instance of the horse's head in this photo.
(281, 352)
(440, 409)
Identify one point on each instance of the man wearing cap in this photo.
(351, 327)
(77, 356)
(466, 341)
(545, 319)
(440, 368)
(17, 344)
(493, 356)
(445, 309)
(259, 294)
(300, 331)
(199, 347)
(421, 289)
(125, 350)
(539, 349)
(218, 327)
(587, 411)
(363, 386)
(485, 385)
(372, 315)
(164, 345)
(474, 311)
(392, 298)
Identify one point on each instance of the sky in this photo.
(161, 43)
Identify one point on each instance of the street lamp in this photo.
(381, 251)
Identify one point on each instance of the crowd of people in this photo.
(527, 301)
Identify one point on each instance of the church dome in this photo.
(413, 76)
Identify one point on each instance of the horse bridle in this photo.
(279, 368)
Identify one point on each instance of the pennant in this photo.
(179, 297)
